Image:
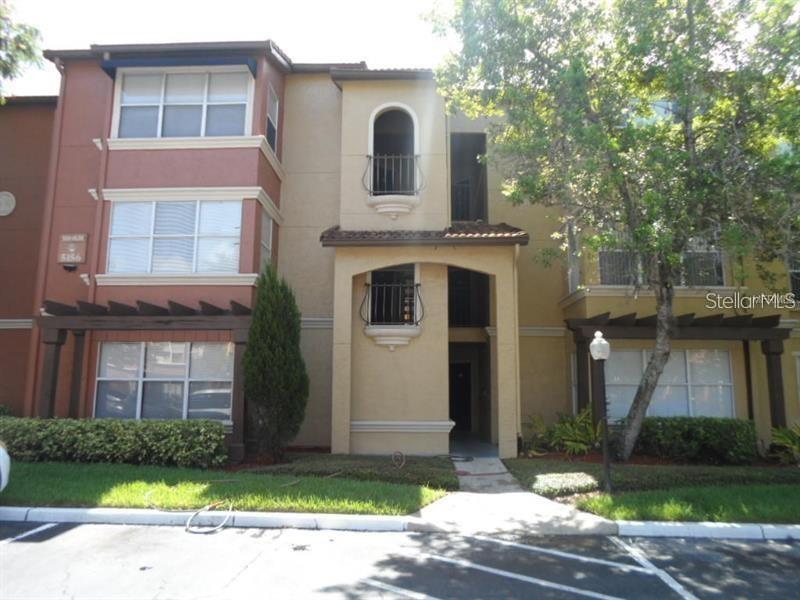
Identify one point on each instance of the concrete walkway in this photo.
(493, 502)
(485, 475)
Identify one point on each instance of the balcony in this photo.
(393, 182)
(392, 313)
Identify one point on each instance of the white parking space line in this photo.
(640, 557)
(398, 590)
(511, 575)
(22, 536)
(568, 555)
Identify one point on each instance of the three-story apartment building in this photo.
(178, 171)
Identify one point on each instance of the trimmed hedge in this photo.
(164, 443)
(706, 440)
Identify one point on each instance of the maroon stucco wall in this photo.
(25, 135)
(86, 103)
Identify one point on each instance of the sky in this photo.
(382, 32)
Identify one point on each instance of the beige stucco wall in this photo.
(360, 100)
(309, 205)
(364, 384)
(409, 383)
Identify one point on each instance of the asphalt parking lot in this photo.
(113, 561)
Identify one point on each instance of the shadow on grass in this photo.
(130, 486)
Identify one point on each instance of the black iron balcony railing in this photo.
(392, 304)
(392, 174)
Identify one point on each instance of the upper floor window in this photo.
(794, 277)
(183, 104)
(273, 107)
(393, 167)
(702, 266)
(175, 237)
(266, 240)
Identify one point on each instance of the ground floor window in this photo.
(694, 383)
(165, 380)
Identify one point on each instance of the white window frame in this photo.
(689, 385)
(152, 236)
(140, 378)
(266, 246)
(417, 297)
(164, 71)
(272, 95)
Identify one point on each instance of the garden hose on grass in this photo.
(188, 528)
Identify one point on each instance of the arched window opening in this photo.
(393, 168)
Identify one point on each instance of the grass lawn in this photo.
(131, 486)
(434, 472)
(731, 503)
(555, 478)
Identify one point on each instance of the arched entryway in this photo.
(396, 396)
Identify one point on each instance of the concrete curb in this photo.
(740, 531)
(265, 520)
(146, 516)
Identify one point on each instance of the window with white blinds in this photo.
(165, 380)
(187, 104)
(272, 119)
(694, 383)
(175, 237)
(266, 240)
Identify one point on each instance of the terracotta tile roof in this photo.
(477, 233)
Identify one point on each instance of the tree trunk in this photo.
(665, 324)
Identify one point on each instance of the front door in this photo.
(461, 396)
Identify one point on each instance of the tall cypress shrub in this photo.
(275, 378)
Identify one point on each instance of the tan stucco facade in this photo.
(367, 398)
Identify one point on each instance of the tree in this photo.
(19, 45)
(652, 125)
(275, 379)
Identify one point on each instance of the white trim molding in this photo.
(627, 291)
(393, 205)
(402, 426)
(529, 331)
(114, 279)
(392, 335)
(196, 193)
(316, 323)
(221, 142)
(16, 323)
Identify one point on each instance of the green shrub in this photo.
(575, 434)
(537, 442)
(165, 443)
(275, 378)
(786, 442)
(706, 440)
(4, 410)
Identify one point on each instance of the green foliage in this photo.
(537, 440)
(4, 410)
(171, 488)
(652, 127)
(19, 45)
(166, 443)
(787, 443)
(275, 378)
(432, 471)
(575, 434)
(729, 504)
(699, 439)
(554, 478)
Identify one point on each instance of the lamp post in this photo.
(600, 350)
